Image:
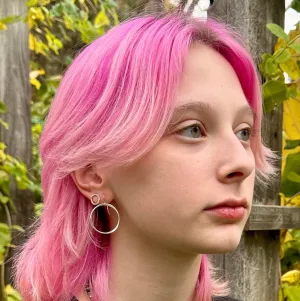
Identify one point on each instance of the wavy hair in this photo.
(123, 79)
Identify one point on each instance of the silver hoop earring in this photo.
(98, 204)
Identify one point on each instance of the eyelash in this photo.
(249, 129)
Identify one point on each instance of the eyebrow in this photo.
(204, 107)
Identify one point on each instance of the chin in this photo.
(224, 244)
(230, 247)
(220, 243)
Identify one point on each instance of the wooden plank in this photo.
(273, 217)
(15, 92)
(251, 276)
(253, 268)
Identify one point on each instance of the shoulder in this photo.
(225, 299)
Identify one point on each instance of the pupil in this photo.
(245, 134)
(196, 129)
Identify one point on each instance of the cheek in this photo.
(157, 191)
(149, 189)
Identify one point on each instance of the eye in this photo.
(195, 130)
(244, 134)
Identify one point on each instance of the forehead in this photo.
(206, 64)
(209, 77)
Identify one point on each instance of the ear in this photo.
(89, 181)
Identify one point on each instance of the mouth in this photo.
(230, 203)
(229, 209)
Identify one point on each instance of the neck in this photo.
(141, 270)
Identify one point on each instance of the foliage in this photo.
(285, 59)
(281, 71)
(10, 168)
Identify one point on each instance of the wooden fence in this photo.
(254, 267)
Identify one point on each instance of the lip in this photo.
(230, 202)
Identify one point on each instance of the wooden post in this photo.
(254, 268)
(16, 94)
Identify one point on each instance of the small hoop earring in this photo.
(98, 204)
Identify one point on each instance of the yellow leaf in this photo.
(36, 13)
(281, 253)
(69, 23)
(2, 158)
(291, 68)
(282, 199)
(288, 237)
(281, 43)
(295, 201)
(291, 277)
(101, 19)
(35, 83)
(291, 128)
(36, 45)
(3, 26)
(10, 291)
(292, 118)
(31, 42)
(293, 34)
(30, 23)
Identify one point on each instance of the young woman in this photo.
(150, 153)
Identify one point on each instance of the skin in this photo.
(156, 251)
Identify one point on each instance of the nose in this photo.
(236, 161)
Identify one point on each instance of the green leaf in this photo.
(274, 93)
(4, 199)
(11, 19)
(271, 67)
(292, 293)
(31, 3)
(18, 228)
(295, 47)
(292, 176)
(288, 187)
(12, 205)
(38, 209)
(3, 108)
(5, 235)
(296, 5)
(5, 124)
(290, 144)
(292, 91)
(278, 31)
(283, 56)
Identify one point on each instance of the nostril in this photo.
(235, 174)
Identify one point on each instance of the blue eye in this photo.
(244, 134)
(195, 130)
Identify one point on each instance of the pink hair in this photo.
(125, 78)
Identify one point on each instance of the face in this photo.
(203, 159)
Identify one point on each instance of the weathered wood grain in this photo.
(16, 94)
(273, 217)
